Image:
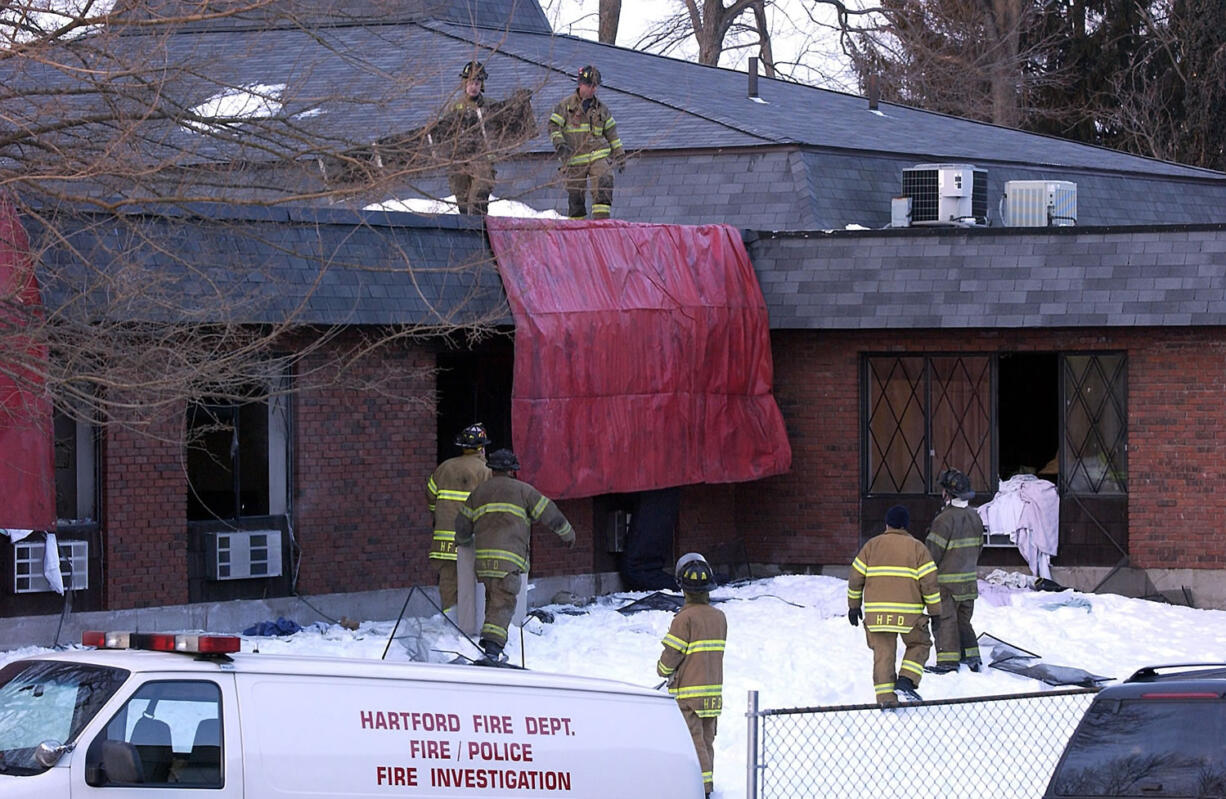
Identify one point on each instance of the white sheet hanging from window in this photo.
(1028, 509)
(51, 565)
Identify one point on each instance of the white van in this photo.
(199, 719)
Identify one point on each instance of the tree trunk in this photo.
(764, 39)
(610, 16)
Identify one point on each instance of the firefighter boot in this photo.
(905, 689)
(941, 668)
(493, 651)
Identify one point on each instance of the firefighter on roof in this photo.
(496, 520)
(462, 126)
(693, 659)
(955, 541)
(446, 491)
(892, 581)
(584, 135)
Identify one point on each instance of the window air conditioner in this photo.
(28, 566)
(1040, 203)
(946, 194)
(242, 554)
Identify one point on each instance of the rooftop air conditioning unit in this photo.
(946, 194)
(242, 554)
(1040, 203)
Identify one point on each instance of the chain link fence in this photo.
(980, 746)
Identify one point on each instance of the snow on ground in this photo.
(789, 639)
(447, 205)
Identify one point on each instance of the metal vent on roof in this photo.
(946, 194)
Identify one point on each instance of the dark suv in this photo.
(1160, 733)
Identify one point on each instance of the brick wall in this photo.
(810, 516)
(144, 513)
(1176, 413)
(361, 459)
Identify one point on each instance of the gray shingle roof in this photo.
(806, 159)
(986, 278)
(214, 264)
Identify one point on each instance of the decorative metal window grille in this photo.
(1094, 455)
(28, 566)
(927, 413)
(896, 425)
(962, 418)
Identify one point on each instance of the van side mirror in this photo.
(48, 753)
(109, 762)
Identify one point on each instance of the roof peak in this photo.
(214, 15)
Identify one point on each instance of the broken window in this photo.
(76, 469)
(237, 458)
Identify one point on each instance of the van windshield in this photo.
(1146, 748)
(43, 700)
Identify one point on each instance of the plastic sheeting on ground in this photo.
(27, 470)
(1015, 660)
(642, 356)
(659, 600)
(282, 626)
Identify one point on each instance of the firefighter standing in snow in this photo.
(496, 520)
(955, 540)
(693, 659)
(894, 579)
(462, 126)
(446, 491)
(584, 135)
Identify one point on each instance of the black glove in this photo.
(571, 543)
(620, 163)
(854, 615)
(565, 151)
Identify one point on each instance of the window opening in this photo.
(237, 458)
(75, 469)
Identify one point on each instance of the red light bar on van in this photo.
(207, 644)
(163, 642)
(1180, 695)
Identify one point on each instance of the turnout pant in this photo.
(448, 584)
(702, 730)
(598, 175)
(916, 646)
(500, 596)
(956, 639)
(471, 184)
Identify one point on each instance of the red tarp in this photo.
(642, 356)
(27, 466)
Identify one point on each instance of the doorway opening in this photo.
(1028, 414)
(474, 385)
